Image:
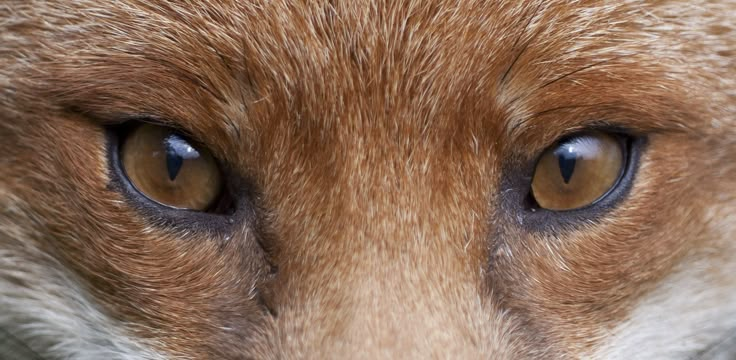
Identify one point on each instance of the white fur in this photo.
(693, 309)
(44, 306)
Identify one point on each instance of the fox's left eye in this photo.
(578, 171)
(169, 169)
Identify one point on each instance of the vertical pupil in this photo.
(177, 150)
(566, 158)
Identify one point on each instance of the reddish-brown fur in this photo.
(378, 141)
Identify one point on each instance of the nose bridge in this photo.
(402, 208)
(393, 255)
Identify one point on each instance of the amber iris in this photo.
(578, 171)
(169, 169)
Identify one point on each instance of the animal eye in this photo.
(578, 171)
(169, 169)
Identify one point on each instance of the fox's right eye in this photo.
(169, 169)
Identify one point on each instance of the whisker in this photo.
(526, 45)
(13, 348)
(584, 68)
(721, 350)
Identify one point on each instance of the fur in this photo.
(381, 148)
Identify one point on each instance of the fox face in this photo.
(383, 179)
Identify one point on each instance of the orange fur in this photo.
(378, 140)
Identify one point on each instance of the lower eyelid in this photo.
(519, 205)
(223, 217)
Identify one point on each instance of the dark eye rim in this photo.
(223, 204)
(514, 199)
(233, 207)
(625, 143)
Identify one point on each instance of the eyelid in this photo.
(516, 176)
(556, 138)
(223, 213)
(124, 125)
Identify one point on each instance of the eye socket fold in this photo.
(578, 171)
(170, 169)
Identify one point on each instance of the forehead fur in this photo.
(418, 53)
(381, 140)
